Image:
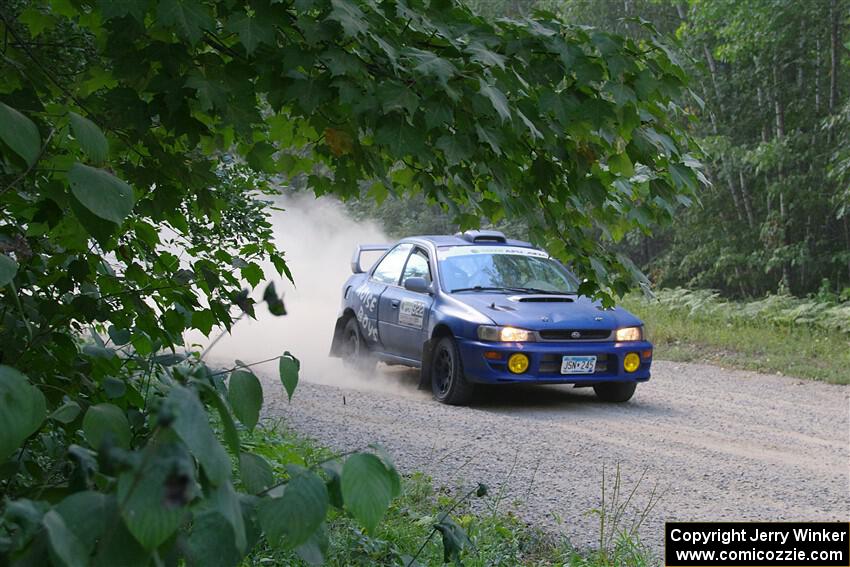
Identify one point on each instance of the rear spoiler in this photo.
(355, 259)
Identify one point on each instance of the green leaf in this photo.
(120, 8)
(489, 137)
(291, 519)
(211, 93)
(621, 164)
(8, 269)
(390, 465)
(396, 96)
(313, 550)
(454, 539)
(399, 137)
(253, 274)
(85, 514)
(480, 54)
(20, 134)
(106, 421)
(101, 193)
(431, 65)
(496, 98)
(36, 21)
(333, 469)
(121, 547)
(65, 547)
(289, 367)
(456, 147)
(256, 473)
(231, 436)
(683, 177)
(349, 16)
(191, 422)
(252, 31)
(153, 499)
(274, 302)
(226, 502)
(203, 320)
(245, 394)
(66, 413)
(188, 17)
(90, 137)
(211, 541)
(22, 410)
(367, 488)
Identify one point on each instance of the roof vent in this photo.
(482, 236)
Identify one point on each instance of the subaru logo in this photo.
(575, 335)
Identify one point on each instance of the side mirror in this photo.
(417, 285)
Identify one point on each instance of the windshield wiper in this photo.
(514, 290)
(487, 288)
(547, 291)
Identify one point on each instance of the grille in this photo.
(551, 363)
(567, 334)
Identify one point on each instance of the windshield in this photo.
(509, 269)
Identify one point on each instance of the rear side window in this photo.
(389, 269)
(417, 267)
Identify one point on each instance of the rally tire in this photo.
(615, 392)
(355, 353)
(448, 383)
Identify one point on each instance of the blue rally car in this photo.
(477, 308)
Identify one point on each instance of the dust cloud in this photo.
(318, 238)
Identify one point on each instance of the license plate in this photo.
(578, 365)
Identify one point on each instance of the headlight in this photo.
(504, 334)
(630, 334)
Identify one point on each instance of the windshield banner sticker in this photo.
(472, 250)
(411, 313)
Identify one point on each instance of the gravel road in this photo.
(719, 444)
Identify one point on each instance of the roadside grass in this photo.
(684, 334)
(496, 537)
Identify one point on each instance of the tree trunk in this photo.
(779, 107)
(712, 68)
(817, 76)
(834, 52)
(745, 197)
(847, 240)
(786, 269)
(801, 57)
(779, 110)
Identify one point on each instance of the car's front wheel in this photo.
(447, 381)
(616, 392)
(355, 353)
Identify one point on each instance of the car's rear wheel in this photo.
(447, 381)
(355, 353)
(616, 392)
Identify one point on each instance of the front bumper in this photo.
(545, 362)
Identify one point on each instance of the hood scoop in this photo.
(542, 299)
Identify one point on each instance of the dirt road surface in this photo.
(718, 444)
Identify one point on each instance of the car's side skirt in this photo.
(394, 359)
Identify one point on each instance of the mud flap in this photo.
(336, 343)
(425, 369)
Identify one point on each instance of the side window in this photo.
(389, 270)
(417, 266)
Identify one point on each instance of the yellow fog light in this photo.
(631, 362)
(518, 363)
